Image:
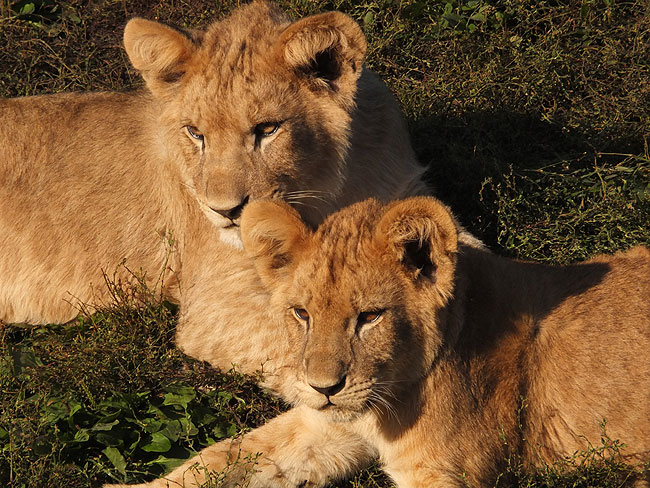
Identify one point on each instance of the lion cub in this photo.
(254, 106)
(438, 358)
(434, 353)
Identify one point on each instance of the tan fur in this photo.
(433, 385)
(91, 180)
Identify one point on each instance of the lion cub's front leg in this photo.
(298, 448)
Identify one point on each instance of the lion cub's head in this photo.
(256, 106)
(363, 295)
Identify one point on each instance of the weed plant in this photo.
(533, 120)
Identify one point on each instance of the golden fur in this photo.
(410, 348)
(255, 106)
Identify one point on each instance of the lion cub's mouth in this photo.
(329, 406)
(339, 409)
(233, 224)
(340, 413)
(222, 220)
(228, 229)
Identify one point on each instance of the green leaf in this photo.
(203, 416)
(42, 446)
(225, 395)
(168, 463)
(129, 450)
(158, 443)
(24, 359)
(116, 458)
(368, 19)
(112, 403)
(4, 435)
(232, 430)
(81, 436)
(55, 410)
(479, 17)
(107, 439)
(74, 407)
(110, 418)
(152, 425)
(177, 428)
(152, 409)
(181, 395)
(187, 427)
(27, 9)
(104, 425)
(173, 430)
(453, 19)
(219, 431)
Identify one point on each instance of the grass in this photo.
(109, 398)
(596, 466)
(532, 117)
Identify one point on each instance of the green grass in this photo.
(533, 118)
(596, 466)
(109, 398)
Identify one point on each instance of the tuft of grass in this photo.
(572, 209)
(602, 466)
(532, 118)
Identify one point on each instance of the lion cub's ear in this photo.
(326, 49)
(158, 51)
(272, 233)
(423, 236)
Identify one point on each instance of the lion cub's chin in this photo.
(336, 413)
(334, 409)
(231, 236)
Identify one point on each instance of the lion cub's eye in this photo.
(266, 129)
(369, 317)
(301, 314)
(194, 132)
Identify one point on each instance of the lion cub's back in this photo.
(594, 361)
(41, 129)
(73, 172)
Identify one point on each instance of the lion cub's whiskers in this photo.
(310, 193)
(375, 400)
(383, 387)
(296, 196)
(296, 202)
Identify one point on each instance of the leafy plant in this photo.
(43, 11)
(110, 398)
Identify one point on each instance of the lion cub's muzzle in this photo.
(233, 213)
(329, 390)
(327, 377)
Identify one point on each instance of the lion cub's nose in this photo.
(331, 390)
(233, 213)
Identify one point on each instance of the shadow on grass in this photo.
(500, 167)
